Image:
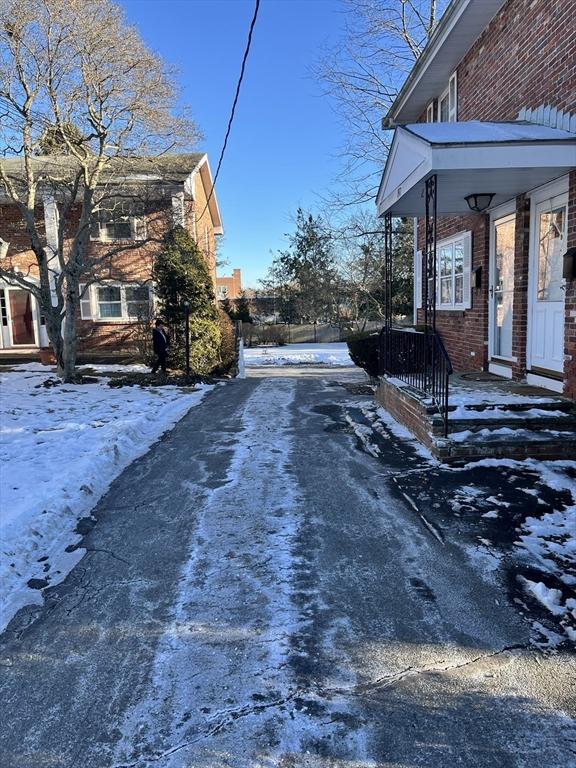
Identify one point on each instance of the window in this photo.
(3, 310)
(114, 302)
(118, 219)
(453, 266)
(109, 299)
(3, 248)
(137, 301)
(448, 102)
(430, 112)
(222, 292)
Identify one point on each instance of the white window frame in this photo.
(90, 306)
(466, 303)
(453, 100)
(450, 93)
(430, 112)
(137, 229)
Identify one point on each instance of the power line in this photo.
(231, 120)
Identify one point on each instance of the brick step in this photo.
(563, 423)
(563, 405)
(512, 444)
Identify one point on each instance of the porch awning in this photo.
(506, 159)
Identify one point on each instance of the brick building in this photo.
(485, 139)
(143, 199)
(229, 286)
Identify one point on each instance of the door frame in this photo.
(501, 366)
(555, 194)
(35, 318)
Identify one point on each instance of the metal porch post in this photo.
(430, 288)
(385, 349)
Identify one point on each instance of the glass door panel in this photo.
(551, 247)
(503, 287)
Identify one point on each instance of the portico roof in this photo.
(506, 159)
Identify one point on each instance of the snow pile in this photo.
(465, 396)
(497, 413)
(550, 540)
(550, 598)
(298, 354)
(60, 448)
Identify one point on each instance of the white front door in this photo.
(547, 287)
(503, 238)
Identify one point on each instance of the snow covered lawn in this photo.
(60, 448)
(298, 354)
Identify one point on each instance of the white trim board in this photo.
(507, 167)
(543, 381)
(500, 370)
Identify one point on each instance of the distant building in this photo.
(229, 287)
(158, 193)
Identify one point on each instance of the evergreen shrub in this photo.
(228, 363)
(363, 348)
(181, 273)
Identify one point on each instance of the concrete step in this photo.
(560, 404)
(562, 422)
(505, 442)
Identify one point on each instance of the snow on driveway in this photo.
(60, 448)
(295, 354)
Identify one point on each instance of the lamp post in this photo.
(186, 307)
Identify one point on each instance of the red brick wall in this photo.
(464, 333)
(20, 255)
(520, 305)
(405, 409)
(524, 58)
(570, 330)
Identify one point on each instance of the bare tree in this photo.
(75, 78)
(382, 40)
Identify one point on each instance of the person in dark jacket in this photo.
(160, 343)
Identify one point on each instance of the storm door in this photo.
(549, 232)
(502, 288)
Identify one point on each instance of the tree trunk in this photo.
(54, 331)
(70, 340)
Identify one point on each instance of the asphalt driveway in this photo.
(266, 589)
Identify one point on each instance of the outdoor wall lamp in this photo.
(479, 202)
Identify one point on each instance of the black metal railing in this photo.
(420, 360)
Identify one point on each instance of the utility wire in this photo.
(231, 120)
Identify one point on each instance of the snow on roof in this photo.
(478, 132)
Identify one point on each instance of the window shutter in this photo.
(418, 281)
(85, 303)
(467, 270)
(139, 228)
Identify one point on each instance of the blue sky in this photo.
(282, 151)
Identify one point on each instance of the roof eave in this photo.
(453, 17)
